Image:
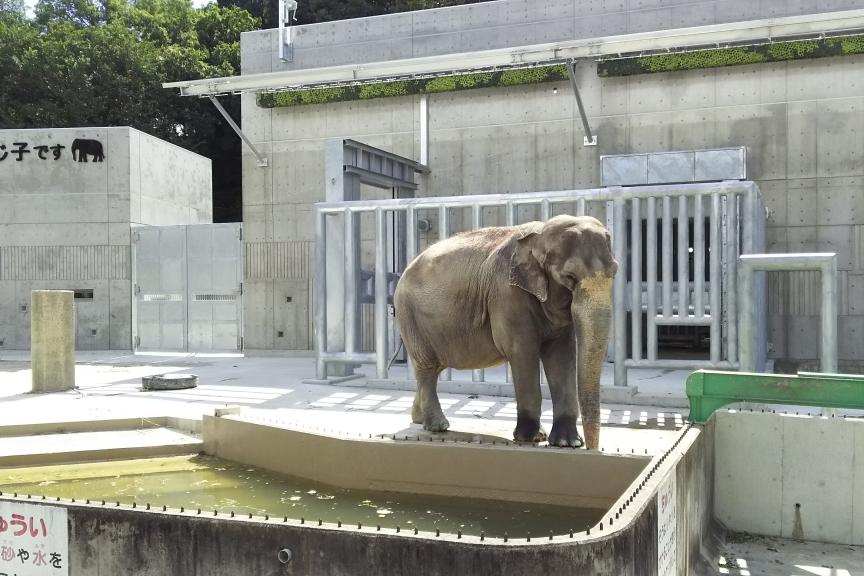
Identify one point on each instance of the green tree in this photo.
(102, 63)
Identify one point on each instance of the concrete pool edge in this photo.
(108, 538)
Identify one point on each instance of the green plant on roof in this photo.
(733, 56)
(436, 85)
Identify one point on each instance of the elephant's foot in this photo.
(528, 430)
(565, 434)
(416, 413)
(436, 422)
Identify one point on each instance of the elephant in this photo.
(85, 147)
(519, 294)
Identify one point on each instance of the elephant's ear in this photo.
(526, 271)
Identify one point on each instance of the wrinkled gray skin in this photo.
(520, 294)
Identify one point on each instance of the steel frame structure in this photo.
(736, 217)
(752, 350)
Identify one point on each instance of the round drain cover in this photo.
(170, 381)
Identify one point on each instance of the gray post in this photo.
(340, 186)
(52, 340)
(619, 308)
(381, 350)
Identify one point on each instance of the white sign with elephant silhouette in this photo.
(23, 150)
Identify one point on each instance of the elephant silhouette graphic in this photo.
(83, 147)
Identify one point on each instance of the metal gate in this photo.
(187, 286)
(731, 221)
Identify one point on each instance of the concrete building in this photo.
(802, 122)
(66, 221)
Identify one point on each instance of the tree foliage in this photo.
(102, 63)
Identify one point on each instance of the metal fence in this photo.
(677, 247)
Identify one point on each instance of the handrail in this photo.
(709, 391)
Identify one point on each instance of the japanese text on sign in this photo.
(34, 540)
(83, 150)
(666, 528)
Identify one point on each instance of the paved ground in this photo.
(759, 555)
(273, 389)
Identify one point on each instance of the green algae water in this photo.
(213, 484)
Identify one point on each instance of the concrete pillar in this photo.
(52, 340)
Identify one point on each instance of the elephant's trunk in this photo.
(592, 316)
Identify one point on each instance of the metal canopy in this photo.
(662, 41)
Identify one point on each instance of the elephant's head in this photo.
(569, 260)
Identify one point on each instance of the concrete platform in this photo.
(92, 446)
(272, 389)
(746, 555)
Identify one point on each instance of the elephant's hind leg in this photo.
(427, 409)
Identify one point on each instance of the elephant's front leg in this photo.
(427, 408)
(559, 363)
(525, 365)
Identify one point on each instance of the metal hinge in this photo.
(241, 288)
(137, 341)
(137, 289)
(136, 237)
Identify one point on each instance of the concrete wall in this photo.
(790, 476)
(502, 24)
(66, 224)
(802, 123)
(115, 539)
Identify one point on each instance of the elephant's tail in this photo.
(395, 354)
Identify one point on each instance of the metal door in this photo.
(214, 287)
(187, 284)
(159, 286)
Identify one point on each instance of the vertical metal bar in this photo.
(619, 317)
(651, 287)
(410, 253)
(443, 233)
(732, 274)
(580, 207)
(510, 217)
(666, 257)
(443, 222)
(716, 278)
(544, 210)
(321, 292)
(828, 345)
(477, 222)
(698, 258)
(381, 293)
(424, 129)
(746, 318)
(683, 259)
(351, 282)
(636, 280)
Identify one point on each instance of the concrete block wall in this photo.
(66, 224)
(502, 24)
(790, 476)
(802, 123)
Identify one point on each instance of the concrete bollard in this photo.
(52, 340)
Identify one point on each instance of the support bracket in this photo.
(589, 139)
(262, 161)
